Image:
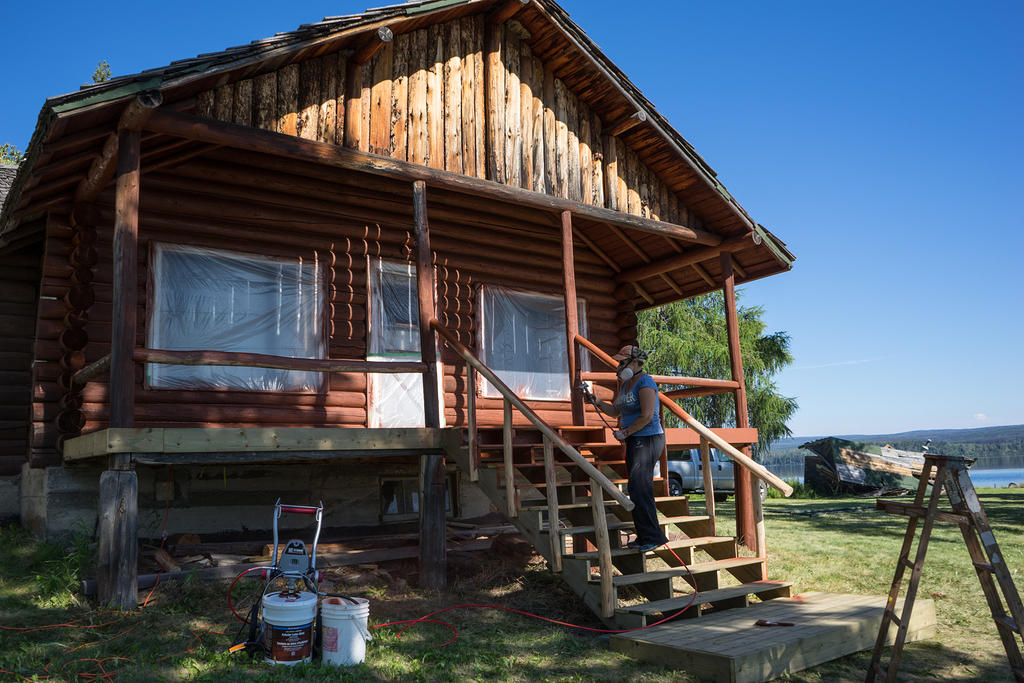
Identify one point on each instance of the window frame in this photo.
(324, 304)
(452, 498)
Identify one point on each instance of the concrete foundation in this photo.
(10, 492)
(61, 500)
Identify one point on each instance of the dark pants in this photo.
(642, 452)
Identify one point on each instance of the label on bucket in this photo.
(330, 642)
(288, 643)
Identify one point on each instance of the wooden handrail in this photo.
(694, 392)
(488, 374)
(250, 360)
(722, 445)
(726, 384)
(260, 360)
(92, 371)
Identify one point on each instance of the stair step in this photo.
(695, 542)
(500, 464)
(643, 577)
(705, 597)
(618, 526)
(498, 449)
(584, 482)
(580, 506)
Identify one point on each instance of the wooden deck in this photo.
(727, 646)
(252, 445)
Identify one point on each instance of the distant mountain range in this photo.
(997, 446)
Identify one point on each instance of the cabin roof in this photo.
(7, 174)
(587, 70)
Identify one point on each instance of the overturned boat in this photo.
(839, 465)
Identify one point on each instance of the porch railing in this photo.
(249, 360)
(707, 436)
(599, 483)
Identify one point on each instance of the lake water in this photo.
(998, 478)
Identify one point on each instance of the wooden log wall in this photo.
(462, 96)
(244, 202)
(18, 307)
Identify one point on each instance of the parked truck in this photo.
(686, 474)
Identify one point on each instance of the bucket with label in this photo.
(288, 620)
(344, 630)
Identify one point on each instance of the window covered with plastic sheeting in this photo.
(396, 313)
(209, 299)
(523, 340)
(396, 399)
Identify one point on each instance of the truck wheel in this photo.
(675, 486)
(721, 497)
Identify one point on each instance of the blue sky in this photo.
(882, 141)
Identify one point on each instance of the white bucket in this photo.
(344, 630)
(288, 620)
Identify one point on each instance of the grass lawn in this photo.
(837, 545)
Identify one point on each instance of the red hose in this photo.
(231, 587)
(426, 618)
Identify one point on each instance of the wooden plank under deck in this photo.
(727, 646)
(165, 445)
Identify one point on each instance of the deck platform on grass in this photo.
(727, 646)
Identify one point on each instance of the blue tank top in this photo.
(628, 403)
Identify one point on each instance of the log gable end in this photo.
(465, 96)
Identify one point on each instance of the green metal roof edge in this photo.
(768, 239)
(107, 95)
(433, 7)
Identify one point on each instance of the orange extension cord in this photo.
(101, 673)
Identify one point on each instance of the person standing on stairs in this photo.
(636, 406)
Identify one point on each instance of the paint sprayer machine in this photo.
(293, 618)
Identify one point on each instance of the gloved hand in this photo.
(620, 434)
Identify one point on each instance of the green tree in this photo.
(102, 72)
(689, 338)
(9, 155)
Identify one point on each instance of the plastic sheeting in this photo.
(524, 342)
(396, 312)
(208, 299)
(396, 399)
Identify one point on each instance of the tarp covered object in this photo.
(859, 467)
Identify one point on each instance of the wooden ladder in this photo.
(952, 476)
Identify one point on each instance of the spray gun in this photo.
(588, 395)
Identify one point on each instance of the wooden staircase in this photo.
(646, 587)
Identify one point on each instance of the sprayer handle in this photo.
(299, 509)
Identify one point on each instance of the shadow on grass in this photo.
(920, 662)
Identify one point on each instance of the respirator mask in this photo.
(625, 372)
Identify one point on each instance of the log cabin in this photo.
(367, 262)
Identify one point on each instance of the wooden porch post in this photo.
(745, 530)
(433, 559)
(572, 323)
(118, 542)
